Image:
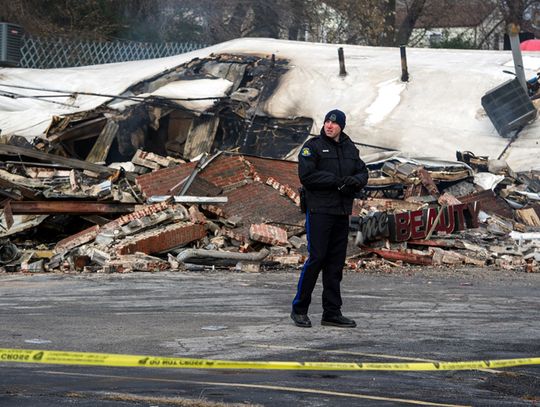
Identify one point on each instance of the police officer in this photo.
(331, 173)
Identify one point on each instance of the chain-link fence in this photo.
(61, 53)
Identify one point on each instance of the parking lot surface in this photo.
(407, 316)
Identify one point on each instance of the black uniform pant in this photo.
(327, 245)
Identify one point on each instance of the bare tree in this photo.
(389, 30)
(364, 22)
(367, 22)
(522, 13)
(265, 22)
(295, 21)
(513, 10)
(413, 12)
(143, 20)
(228, 19)
(62, 17)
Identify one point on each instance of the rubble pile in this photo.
(241, 212)
(475, 211)
(225, 210)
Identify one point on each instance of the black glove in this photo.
(349, 185)
(350, 181)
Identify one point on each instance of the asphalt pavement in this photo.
(407, 316)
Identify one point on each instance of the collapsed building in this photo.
(149, 115)
(242, 212)
(190, 163)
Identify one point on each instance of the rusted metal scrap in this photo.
(69, 207)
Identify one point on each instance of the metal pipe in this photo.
(187, 181)
(404, 70)
(216, 254)
(341, 57)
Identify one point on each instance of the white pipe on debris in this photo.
(525, 236)
(202, 253)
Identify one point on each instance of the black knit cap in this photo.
(336, 116)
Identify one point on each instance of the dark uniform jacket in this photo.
(322, 164)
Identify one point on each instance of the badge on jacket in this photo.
(306, 152)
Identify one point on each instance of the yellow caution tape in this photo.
(106, 359)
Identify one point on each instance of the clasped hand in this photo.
(349, 185)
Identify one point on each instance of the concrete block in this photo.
(298, 242)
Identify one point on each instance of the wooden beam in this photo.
(101, 147)
(25, 192)
(7, 213)
(404, 256)
(69, 207)
(71, 162)
(528, 216)
(89, 128)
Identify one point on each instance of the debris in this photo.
(528, 216)
(268, 234)
(248, 267)
(289, 260)
(298, 242)
(406, 256)
(468, 220)
(202, 256)
(151, 172)
(8, 252)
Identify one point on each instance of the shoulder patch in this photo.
(306, 152)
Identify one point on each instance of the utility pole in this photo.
(513, 34)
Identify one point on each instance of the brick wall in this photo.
(285, 172)
(224, 172)
(160, 181)
(250, 199)
(259, 203)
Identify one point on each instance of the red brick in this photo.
(285, 172)
(140, 213)
(268, 234)
(195, 215)
(234, 235)
(159, 182)
(160, 240)
(260, 203)
(78, 239)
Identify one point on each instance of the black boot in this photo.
(301, 320)
(339, 321)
